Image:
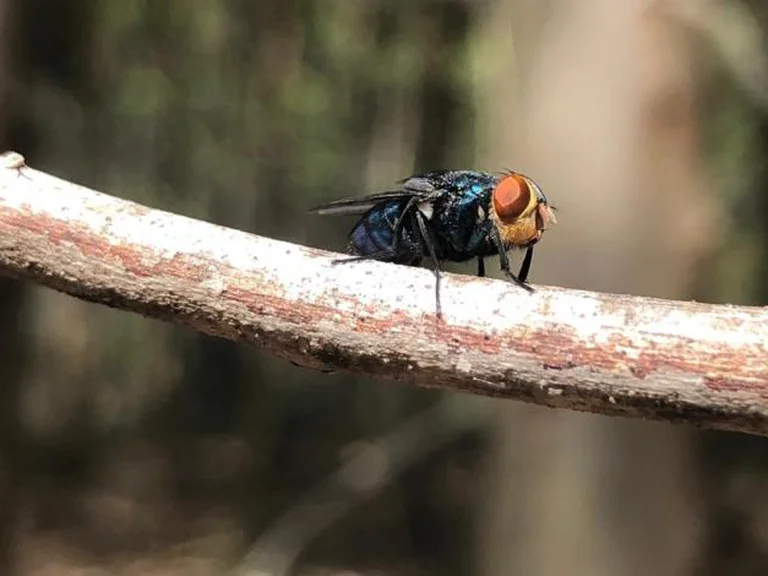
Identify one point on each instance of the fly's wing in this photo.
(359, 204)
(418, 186)
(426, 179)
(423, 187)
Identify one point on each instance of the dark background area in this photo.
(129, 446)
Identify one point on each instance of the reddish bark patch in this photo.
(725, 384)
(134, 259)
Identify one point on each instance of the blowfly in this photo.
(448, 215)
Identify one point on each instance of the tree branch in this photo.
(611, 354)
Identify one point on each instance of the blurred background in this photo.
(128, 446)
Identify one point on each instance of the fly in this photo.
(449, 215)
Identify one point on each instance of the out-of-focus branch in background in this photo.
(371, 466)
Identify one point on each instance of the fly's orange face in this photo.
(520, 211)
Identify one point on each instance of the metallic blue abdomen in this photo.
(374, 233)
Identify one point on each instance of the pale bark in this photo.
(612, 354)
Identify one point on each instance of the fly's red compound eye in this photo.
(511, 197)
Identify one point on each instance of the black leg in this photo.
(480, 267)
(387, 255)
(398, 227)
(401, 219)
(427, 237)
(381, 256)
(504, 261)
(526, 266)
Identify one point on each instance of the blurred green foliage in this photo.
(123, 437)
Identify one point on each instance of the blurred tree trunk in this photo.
(735, 466)
(606, 122)
(11, 358)
(10, 346)
(11, 341)
(38, 45)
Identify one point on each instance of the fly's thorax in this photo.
(519, 210)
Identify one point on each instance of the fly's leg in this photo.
(401, 220)
(398, 228)
(481, 267)
(427, 237)
(380, 256)
(526, 266)
(504, 261)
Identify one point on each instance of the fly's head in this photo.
(520, 211)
